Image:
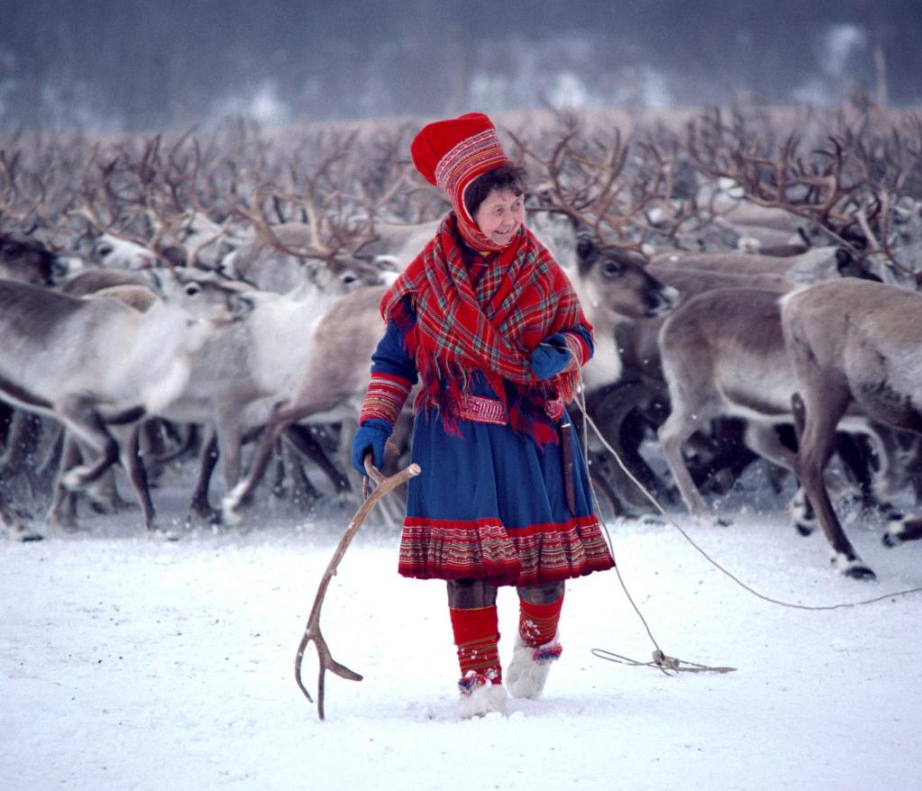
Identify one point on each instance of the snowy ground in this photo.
(132, 664)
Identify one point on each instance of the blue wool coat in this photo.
(490, 503)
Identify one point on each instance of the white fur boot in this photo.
(530, 665)
(480, 696)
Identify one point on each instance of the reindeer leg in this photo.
(131, 460)
(241, 495)
(303, 493)
(200, 507)
(691, 400)
(63, 510)
(302, 438)
(613, 411)
(854, 461)
(22, 442)
(816, 440)
(764, 440)
(14, 524)
(80, 415)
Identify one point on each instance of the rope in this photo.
(660, 660)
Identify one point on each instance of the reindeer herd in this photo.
(752, 283)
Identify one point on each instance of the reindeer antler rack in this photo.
(312, 633)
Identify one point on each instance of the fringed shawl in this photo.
(456, 324)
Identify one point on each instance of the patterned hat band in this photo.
(462, 164)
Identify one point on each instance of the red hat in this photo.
(451, 154)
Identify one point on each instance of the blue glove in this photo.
(371, 436)
(551, 357)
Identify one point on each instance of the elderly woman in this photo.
(488, 323)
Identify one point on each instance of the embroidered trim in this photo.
(431, 549)
(477, 153)
(384, 398)
(480, 409)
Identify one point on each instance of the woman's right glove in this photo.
(371, 436)
(551, 357)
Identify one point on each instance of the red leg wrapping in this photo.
(538, 622)
(477, 636)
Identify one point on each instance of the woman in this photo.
(489, 323)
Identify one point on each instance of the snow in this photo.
(127, 663)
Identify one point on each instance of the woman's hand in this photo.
(371, 436)
(551, 357)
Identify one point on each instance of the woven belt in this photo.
(480, 409)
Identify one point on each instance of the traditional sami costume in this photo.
(503, 497)
(490, 502)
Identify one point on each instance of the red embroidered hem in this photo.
(486, 550)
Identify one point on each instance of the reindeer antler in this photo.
(312, 633)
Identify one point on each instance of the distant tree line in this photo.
(128, 64)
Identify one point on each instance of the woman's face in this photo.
(501, 215)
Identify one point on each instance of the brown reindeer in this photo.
(853, 346)
(723, 355)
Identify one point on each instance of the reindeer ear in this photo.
(386, 263)
(587, 251)
(155, 281)
(844, 261)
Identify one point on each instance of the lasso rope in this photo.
(660, 660)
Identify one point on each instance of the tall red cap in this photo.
(451, 154)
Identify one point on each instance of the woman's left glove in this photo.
(551, 356)
(371, 436)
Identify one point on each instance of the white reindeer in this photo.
(97, 362)
(241, 372)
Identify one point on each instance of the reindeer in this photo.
(626, 373)
(723, 355)
(820, 263)
(349, 332)
(96, 363)
(28, 261)
(852, 346)
(241, 371)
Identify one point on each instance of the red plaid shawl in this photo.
(455, 324)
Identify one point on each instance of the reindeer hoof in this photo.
(860, 572)
(23, 533)
(200, 515)
(161, 534)
(891, 540)
(229, 516)
(852, 567)
(804, 523)
(805, 528)
(72, 480)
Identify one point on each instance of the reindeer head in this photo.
(206, 298)
(27, 261)
(614, 280)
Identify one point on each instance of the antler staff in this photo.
(312, 633)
